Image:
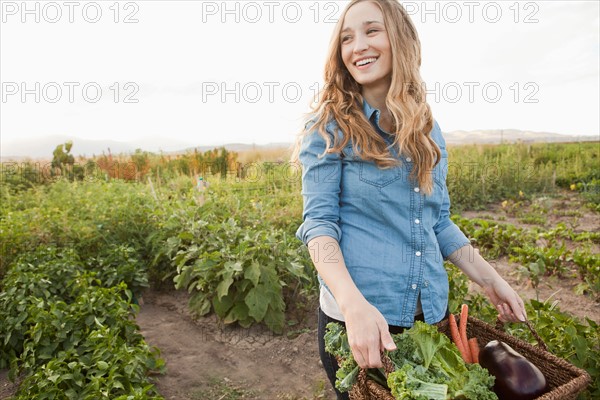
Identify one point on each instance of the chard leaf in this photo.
(348, 379)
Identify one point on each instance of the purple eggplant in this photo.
(516, 377)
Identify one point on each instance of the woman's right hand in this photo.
(368, 333)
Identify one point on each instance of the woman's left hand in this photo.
(509, 304)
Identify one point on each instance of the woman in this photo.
(376, 206)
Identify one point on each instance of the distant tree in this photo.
(62, 155)
(63, 162)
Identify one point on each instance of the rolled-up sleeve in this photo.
(449, 236)
(320, 190)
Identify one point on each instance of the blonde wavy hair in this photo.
(341, 100)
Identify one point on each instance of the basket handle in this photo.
(540, 342)
(388, 367)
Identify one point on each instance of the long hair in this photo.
(341, 100)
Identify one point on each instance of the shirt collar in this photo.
(369, 111)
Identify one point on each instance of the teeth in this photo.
(365, 61)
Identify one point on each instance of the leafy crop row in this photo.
(85, 216)
(540, 253)
(67, 330)
(234, 260)
(480, 174)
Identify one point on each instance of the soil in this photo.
(207, 360)
(7, 388)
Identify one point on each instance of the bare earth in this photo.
(206, 360)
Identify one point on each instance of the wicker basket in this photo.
(564, 379)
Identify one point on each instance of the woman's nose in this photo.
(360, 44)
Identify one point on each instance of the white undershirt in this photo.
(331, 309)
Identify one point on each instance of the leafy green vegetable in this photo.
(336, 343)
(346, 377)
(429, 357)
(410, 382)
(428, 366)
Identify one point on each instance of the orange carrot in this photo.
(456, 337)
(462, 330)
(474, 347)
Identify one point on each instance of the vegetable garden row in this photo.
(77, 254)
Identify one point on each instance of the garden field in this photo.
(127, 277)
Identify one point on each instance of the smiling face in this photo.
(365, 46)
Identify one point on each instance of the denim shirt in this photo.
(392, 236)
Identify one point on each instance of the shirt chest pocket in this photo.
(369, 173)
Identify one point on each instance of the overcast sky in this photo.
(213, 72)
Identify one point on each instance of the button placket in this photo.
(417, 203)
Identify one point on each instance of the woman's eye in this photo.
(345, 38)
(371, 31)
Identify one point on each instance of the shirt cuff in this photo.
(311, 228)
(451, 239)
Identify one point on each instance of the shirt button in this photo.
(426, 283)
(408, 159)
(417, 190)
(414, 286)
(417, 221)
(418, 254)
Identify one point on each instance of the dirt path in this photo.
(7, 387)
(207, 361)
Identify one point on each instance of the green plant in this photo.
(543, 261)
(70, 333)
(120, 263)
(236, 272)
(492, 238)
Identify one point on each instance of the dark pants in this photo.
(329, 362)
